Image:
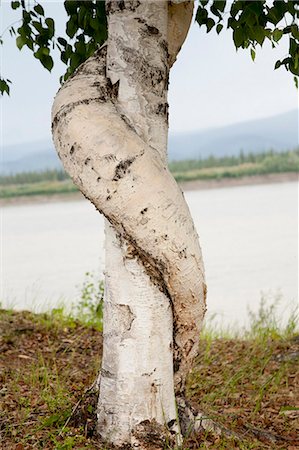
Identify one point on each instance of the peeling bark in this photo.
(110, 124)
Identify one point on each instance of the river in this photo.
(248, 235)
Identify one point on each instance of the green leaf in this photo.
(62, 41)
(21, 41)
(295, 31)
(15, 5)
(39, 9)
(215, 10)
(252, 53)
(71, 6)
(238, 37)
(219, 28)
(293, 68)
(277, 65)
(4, 87)
(42, 52)
(47, 62)
(71, 27)
(293, 48)
(38, 26)
(210, 24)
(201, 16)
(277, 34)
(51, 26)
(259, 33)
(220, 5)
(80, 48)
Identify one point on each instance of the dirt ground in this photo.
(48, 362)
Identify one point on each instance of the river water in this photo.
(248, 234)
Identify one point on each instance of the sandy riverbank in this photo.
(186, 186)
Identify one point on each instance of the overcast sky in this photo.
(211, 84)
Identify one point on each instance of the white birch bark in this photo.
(110, 130)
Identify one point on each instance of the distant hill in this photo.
(277, 133)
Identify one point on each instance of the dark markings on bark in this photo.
(151, 434)
(154, 268)
(139, 19)
(188, 346)
(148, 30)
(113, 88)
(205, 293)
(89, 69)
(108, 198)
(149, 374)
(106, 374)
(176, 364)
(65, 110)
(128, 122)
(143, 211)
(183, 253)
(87, 161)
(164, 47)
(171, 423)
(113, 6)
(162, 109)
(122, 168)
(72, 149)
(110, 157)
(152, 30)
(98, 179)
(151, 76)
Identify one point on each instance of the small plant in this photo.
(90, 307)
(266, 323)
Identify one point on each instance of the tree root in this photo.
(265, 435)
(192, 421)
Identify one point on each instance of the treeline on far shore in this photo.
(56, 181)
(236, 166)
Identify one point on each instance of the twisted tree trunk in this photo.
(110, 123)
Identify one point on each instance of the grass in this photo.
(52, 182)
(38, 188)
(247, 382)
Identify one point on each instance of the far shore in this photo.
(195, 185)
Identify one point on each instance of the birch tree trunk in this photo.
(110, 123)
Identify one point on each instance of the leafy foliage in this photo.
(90, 307)
(255, 21)
(86, 30)
(252, 22)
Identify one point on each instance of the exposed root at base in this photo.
(150, 435)
(192, 421)
(196, 422)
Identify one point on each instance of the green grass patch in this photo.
(248, 382)
(39, 188)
